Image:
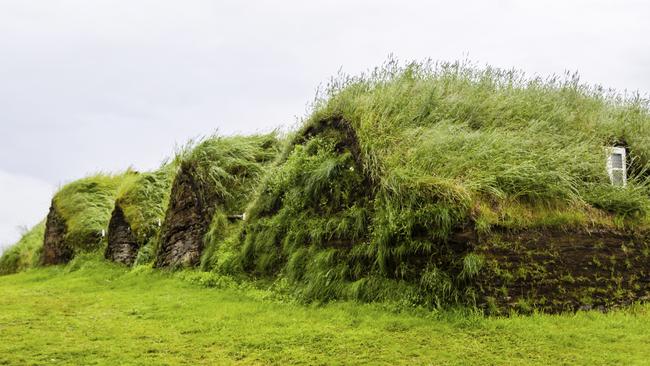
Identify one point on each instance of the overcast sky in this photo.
(90, 86)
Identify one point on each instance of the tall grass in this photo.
(86, 205)
(225, 171)
(143, 200)
(366, 196)
(25, 253)
(229, 167)
(437, 147)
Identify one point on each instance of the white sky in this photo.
(101, 85)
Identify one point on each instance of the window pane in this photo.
(617, 177)
(617, 161)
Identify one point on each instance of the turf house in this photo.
(430, 185)
(446, 184)
(78, 218)
(211, 188)
(136, 219)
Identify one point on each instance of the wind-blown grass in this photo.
(364, 200)
(236, 164)
(229, 167)
(144, 201)
(216, 178)
(86, 205)
(25, 253)
(492, 135)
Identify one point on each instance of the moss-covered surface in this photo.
(389, 184)
(214, 182)
(139, 210)
(428, 184)
(559, 270)
(79, 213)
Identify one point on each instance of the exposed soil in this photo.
(557, 270)
(122, 244)
(186, 222)
(55, 250)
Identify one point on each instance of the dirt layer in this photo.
(186, 222)
(55, 250)
(555, 270)
(122, 244)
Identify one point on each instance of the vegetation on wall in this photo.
(384, 189)
(143, 201)
(412, 183)
(83, 209)
(212, 187)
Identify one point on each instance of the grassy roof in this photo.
(25, 253)
(487, 141)
(144, 199)
(229, 167)
(364, 201)
(86, 205)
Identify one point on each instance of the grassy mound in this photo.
(212, 187)
(79, 213)
(385, 189)
(425, 184)
(139, 209)
(25, 253)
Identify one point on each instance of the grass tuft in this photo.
(25, 253)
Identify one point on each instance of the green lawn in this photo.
(103, 314)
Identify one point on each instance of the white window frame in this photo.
(611, 151)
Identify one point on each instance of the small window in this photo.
(617, 161)
(616, 166)
(618, 179)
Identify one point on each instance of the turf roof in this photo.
(484, 139)
(366, 199)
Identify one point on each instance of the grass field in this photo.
(97, 313)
